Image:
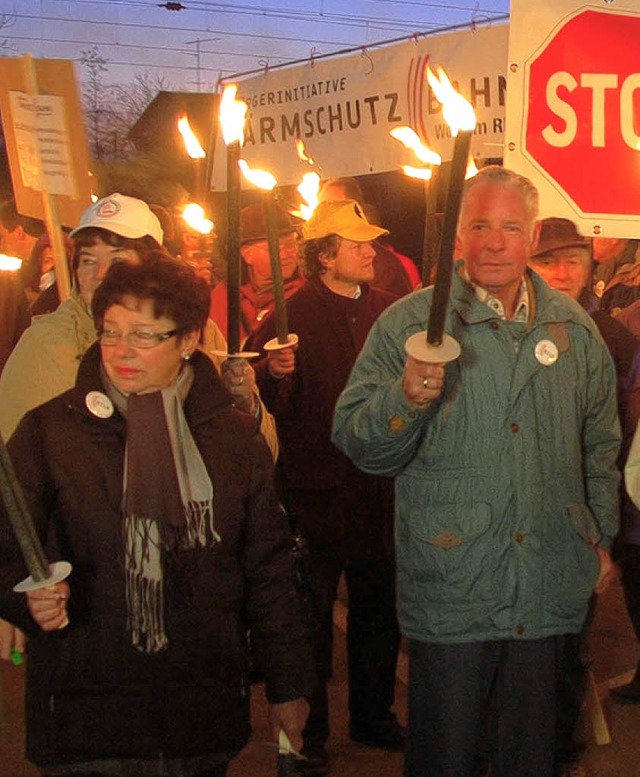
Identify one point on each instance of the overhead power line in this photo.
(472, 7)
(356, 49)
(407, 28)
(114, 46)
(317, 17)
(209, 31)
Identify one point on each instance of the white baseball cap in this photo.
(125, 216)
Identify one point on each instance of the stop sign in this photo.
(583, 118)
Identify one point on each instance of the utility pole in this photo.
(197, 43)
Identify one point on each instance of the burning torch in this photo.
(267, 183)
(433, 345)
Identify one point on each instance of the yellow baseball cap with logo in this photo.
(341, 217)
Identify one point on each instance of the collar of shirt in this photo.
(522, 308)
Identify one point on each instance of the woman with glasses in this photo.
(158, 491)
(44, 363)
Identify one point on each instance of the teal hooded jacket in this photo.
(508, 480)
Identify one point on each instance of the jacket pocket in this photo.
(447, 552)
(574, 566)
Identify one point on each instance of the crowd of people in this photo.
(475, 507)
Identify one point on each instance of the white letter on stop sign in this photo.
(561, 109)
(631, 83)
(598, 83)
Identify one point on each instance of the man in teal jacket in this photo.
(506, 488)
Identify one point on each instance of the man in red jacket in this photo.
(256, 293)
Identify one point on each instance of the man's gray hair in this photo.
(502, 176)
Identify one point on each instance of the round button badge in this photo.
(546, 352)
(99, 404)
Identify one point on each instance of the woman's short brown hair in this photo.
(172, 287)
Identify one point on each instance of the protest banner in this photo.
(343, 107)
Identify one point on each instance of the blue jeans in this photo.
(482, 698)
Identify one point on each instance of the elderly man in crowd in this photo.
(563, 258)
(506, 488)
(256, 293)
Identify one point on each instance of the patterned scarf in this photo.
(167, 500)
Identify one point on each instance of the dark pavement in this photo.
(614, 655)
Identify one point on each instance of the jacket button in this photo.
(515, 428)
(519, 629)
(494, 325)
(396, 424)
(519, 537)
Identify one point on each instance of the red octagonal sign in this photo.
(583, 123)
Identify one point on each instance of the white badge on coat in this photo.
(546, 352)
(99, 404)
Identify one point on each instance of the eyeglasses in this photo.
(138, 338)
(286, 244)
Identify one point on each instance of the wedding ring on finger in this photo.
(425, 382)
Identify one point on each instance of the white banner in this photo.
(343, 108)
(573, 114)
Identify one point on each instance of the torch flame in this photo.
(232, 116)
(472, 169)
(11, 263)
(260, 178)
(193, 147)
(457, 112)
(193, 214)
(302, 154)
(409, 138)
(417, 172)
(308, 188)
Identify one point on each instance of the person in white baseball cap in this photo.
(43, 364)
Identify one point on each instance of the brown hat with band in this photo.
(559, 233)
(253, 224)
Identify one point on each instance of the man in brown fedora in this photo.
(563, 257)
(256, 293)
